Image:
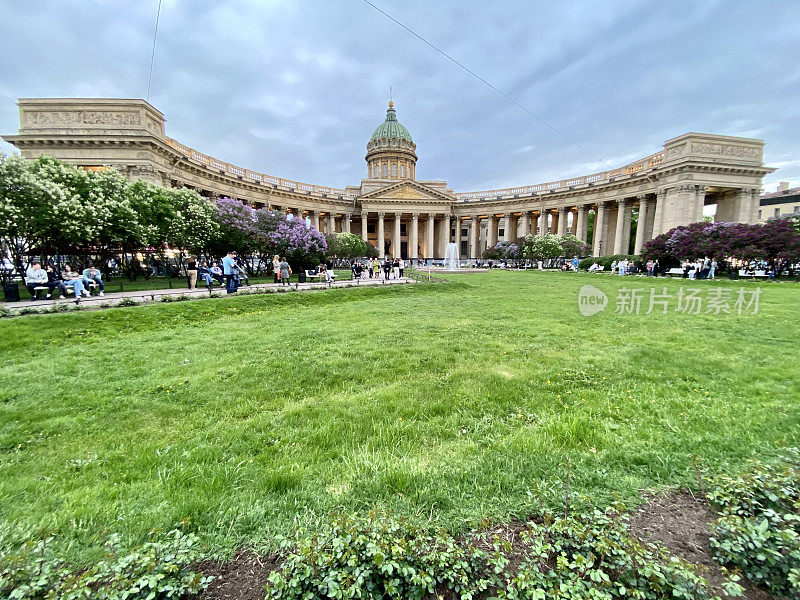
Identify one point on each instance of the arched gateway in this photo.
(416, 219)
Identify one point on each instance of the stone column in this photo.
(473, 237)
(658, 211)
(431, 225)
(381, 236)
(747, 205)
(562, 221)
(543, 224)
(396, 246)
(526, 223)
(445, 239)
(619, 232)
(413, 254)
(312, 214)
(491, 231)
(599, 230)
(457, 238)
(505, 225)
(328, 223)
(582, 224)
(346, 222)
(641, 224)
(364, 235)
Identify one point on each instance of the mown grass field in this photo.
(446, 403)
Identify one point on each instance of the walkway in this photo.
(114, 298)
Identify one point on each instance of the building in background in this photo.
(785, 201)
(401, 215)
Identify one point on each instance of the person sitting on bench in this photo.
(75, 281)
(35, 276)
(53, 282)
(93, 275)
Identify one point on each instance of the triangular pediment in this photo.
(406, 190)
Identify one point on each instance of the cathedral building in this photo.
(406, 217)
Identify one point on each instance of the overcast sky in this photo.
(295, 88)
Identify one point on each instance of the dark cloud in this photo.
(295, 88)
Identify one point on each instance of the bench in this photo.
(675, 272)
(754, 274)
(311, 274)
(39, 288)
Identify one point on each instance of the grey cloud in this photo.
(295, 88)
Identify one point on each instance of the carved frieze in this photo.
(726, 150)
(676, 151)
(83, 117)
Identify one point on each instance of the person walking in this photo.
(387, 266)
(712, 268)
(402, 265)
(376, 268)
(191, 271)
(285, 271)
(276, 268)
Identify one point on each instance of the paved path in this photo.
(113, 298)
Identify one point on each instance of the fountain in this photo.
(451, 261)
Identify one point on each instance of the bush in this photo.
(157, 570)
(589, 555)
(605, 261)
(759, 531)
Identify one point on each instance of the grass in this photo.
(449, 404)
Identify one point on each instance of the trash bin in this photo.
(301, 277)
(734, 274)
(11, 292)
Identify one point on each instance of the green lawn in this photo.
(447, 403)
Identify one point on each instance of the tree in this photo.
(346, 245)
(572, 246)
(303, 246)
(23, 197)
(237, 224)
(542, 247)
(194, 226)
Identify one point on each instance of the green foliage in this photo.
(759, 531)
(605, 261)
(378, 556)
(542, 247)
(347, 245)
(32, 570)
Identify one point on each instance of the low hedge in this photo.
(605, 261)
(759, 531)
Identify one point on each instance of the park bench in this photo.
(311, 275)
(754, 274)
(675, 272)
(39, 288)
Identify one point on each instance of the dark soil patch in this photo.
(681, 522)
(244, 577)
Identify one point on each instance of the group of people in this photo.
(391, 268)
(52, 279)
(700, 269)
(231, 274)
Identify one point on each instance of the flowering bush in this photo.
(777, 238)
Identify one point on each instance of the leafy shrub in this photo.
(759, 531)
(127, 302)
(590, 555)
(157, 570)
(605, 261)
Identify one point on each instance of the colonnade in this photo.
(424, 235)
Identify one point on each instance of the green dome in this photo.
(391, 128)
